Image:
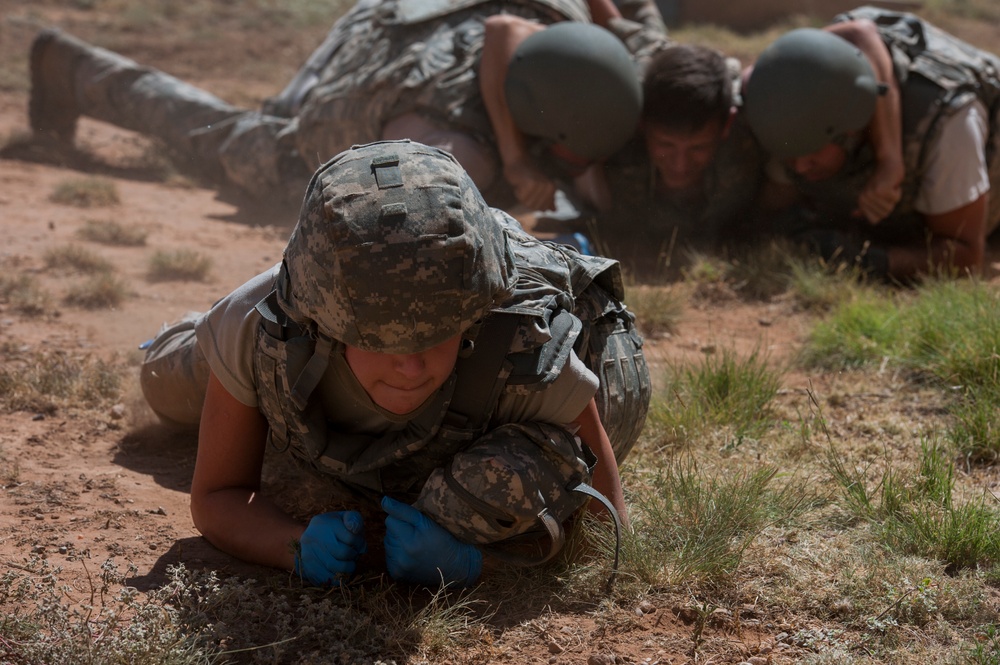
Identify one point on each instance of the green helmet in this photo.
(395, 250)
(575, 84)
(806, 89)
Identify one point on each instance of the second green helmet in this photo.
(576, 85)
(806, 89)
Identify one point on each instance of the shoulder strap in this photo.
(475, 395)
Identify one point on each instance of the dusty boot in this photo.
(52, 109)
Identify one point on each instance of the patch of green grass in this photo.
(91, 192)
(946, 330)
(975, 429)
(723, 391)
(859, 332)
(816, 289)
(657, 309)
(109, 232)
(101, 291)
(180, 265)
(954, 333)
(77, 259)
(690, 525)
(914, 511)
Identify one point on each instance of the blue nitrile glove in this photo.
(330, 546)
(419, 551)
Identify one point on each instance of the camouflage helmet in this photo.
(806, 89)
(576, 85)
(395, 250)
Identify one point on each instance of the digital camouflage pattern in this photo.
(395, 250)
(374, 65)
(499, 486)
(421, 229)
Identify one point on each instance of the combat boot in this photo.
(53, 108)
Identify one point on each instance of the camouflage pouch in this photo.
(513, 486)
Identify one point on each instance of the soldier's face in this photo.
(820, 165)
(681, 158)
(400, 382)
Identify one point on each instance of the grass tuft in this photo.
(107, 232)
(102, 291)
(74, 258)
(723, 391)
(181, 265)
(91, 192)
(46, 381)
(690, 526)
(658, 309)
(24, 294)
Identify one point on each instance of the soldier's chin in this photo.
(679, 183)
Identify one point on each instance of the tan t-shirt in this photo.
(226, 334)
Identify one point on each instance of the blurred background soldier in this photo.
(884, 131)
(433, 72)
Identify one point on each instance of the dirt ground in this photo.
(89, 485)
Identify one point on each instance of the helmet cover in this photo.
(395, 250)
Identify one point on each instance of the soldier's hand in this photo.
(419, 551)
(882, 191)
(329, 547)
(533, 189)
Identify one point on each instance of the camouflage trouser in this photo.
(174, 374)
(250, 149)
(368, 72)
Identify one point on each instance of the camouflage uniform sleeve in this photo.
(645, 13)
(227, 336)
(641, 41)
(558, 403)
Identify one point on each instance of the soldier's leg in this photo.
(71, 78)
(174, 374)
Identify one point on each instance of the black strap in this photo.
(475, 396)
(594, 494)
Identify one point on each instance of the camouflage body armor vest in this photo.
(938, 74)
(563, 302)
